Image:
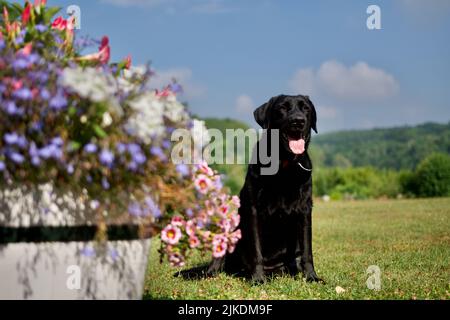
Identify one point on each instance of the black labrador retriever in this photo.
(276, 209)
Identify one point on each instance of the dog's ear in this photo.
(261, 114)
(313, 115)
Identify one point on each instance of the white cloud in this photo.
(183, 76)
(337, 81)
(244, 104)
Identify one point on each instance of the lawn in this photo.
(408, 239)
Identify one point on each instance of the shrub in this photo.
(432, 176)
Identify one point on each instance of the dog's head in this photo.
(294, 116)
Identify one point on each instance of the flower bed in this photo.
(101, 130)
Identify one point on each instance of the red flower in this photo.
(38, 3)
(104, 51)
(26, 15)
(59, 23)
(6, 19)
(128, 62)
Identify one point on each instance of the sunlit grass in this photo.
(408, 239)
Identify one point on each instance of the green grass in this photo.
(408, 239)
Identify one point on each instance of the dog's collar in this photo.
(285, 163)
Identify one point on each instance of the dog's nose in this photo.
(298, 122)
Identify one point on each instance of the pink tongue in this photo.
(297, 146)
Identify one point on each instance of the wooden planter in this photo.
(47, 249)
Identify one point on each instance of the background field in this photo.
(408, 239)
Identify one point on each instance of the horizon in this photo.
(232, 56)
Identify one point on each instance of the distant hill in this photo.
(393, 148)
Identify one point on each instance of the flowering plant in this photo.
(81, 122)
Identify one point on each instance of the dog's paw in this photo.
(313, 277)
(258, 276)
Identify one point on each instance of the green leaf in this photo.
(75, 145)
(49, 13)
(99, 131)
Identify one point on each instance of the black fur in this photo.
(275, 209)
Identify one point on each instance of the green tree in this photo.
(432, 176)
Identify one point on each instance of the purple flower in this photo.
(34, 154)
(57, 141)
(183, 170)
(16, 157)
(41, 28)
(105, 183)
(11, 108)
(135, 209)
(23, 94)
(20, 64)
(166, 144)
(153, 207)
(189, 213)
(176, 88)
(51, 151)
(90, 148)
(106, 157)
(70, 169)
(133, 166)
(58, 102)
(2, 166)
(11, 138)
(134, 148)
(139, 158)
(2, 44)
(158, 152)
(45, 94)
(121, 148)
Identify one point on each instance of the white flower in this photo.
(147, 122)
(107, 120)
(93, 84)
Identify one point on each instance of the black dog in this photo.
(276, 209)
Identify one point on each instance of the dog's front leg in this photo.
(307, 264)
(257, 263)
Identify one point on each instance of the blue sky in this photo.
(232, 56)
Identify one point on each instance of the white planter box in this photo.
(31, 267)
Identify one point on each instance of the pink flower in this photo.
(102, 56)
(205, 169)
(194, 242)
(171, 234)
(219, 246)
(191, 228)
(235, 219)
(225, 225)
(26, 51)
(236, 201)
(219, 238)
(176, 259)
(164, 93)
(234, 238)
(178, 221)
(223, 210)
(203, 184)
